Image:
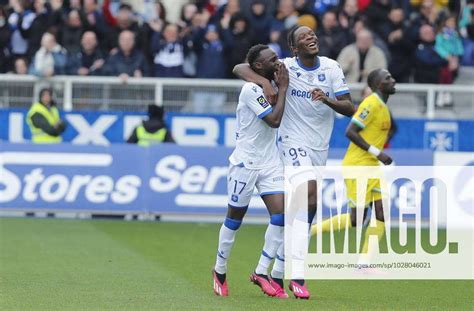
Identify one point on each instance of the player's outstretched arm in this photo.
(352, 132)
(273, 119)
(341, 104)
(244, 72)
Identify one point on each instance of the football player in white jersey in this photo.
(317, 90)
(255, 162)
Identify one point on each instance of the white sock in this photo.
(299, 249)
(226, 241)
(278, 270)
(273, 239)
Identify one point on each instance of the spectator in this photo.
(188, 11)
(151, 131)
(348, 16)
(127, 61)
(95, 18)
(154, 23)
(377, 14)
(331, 37)
(358, 59)
(448, 45)
(125, 20)
(322, 6)
(168, 53)
(427, 61)
(401, 48)
(466, 25)
(20, 20)
(21, 66)
(44, 121)
(5, 33)
(225, 12)
(38, 27)
(240, 40)
(426, 14)
(274, 44)
(51, 58)
(89, 60)
(212, 62)
(260, 21)
(71, 32)
(286, 15)
(439, 4)
(361, 24)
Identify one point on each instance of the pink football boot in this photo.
(298, 290)
(263, 283)
(219, 288)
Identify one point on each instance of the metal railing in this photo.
(206, 95)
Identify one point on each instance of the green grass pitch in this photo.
(52, 264)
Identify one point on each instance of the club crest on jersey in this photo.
(321, 77)
(363, 115)
(262, 101)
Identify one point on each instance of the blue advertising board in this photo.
(121, 178)
(104, 128)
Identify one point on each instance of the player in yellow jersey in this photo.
(368, 132)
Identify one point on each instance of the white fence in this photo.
(205, 96)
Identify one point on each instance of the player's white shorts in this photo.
(241, 183)
(300, 159)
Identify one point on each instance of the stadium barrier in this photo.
(124, 179)
(205, 95)
(104, 128)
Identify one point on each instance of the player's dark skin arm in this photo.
(244, 72)
(273, 119)
(352, 132)
(342, 104)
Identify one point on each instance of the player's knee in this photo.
(277, 219)
(236, 213)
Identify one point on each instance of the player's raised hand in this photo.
(384, 158)
(318, 94)
(281, 76)
(269, 92)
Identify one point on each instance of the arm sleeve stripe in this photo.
(265, 113)
(358, 123)
(342, 92)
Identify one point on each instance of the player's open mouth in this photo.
(312, 45)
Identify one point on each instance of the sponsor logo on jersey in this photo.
(363, 115)
(299, 93)
(263, 102)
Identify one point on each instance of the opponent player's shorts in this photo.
(300, 161)
(241, 183)
(373, 192)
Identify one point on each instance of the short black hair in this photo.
(291, 36)
(373, 78)
(254, 53)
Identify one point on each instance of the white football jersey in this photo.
(305, 121)
(255, 140)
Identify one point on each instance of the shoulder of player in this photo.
(328, 63)
(250, 87)
(370, 102)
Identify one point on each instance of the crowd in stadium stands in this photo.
(422, 41)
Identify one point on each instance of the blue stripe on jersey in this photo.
(265, 113)
(318, 63)
(342, 92)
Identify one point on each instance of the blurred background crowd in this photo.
(421, 41)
